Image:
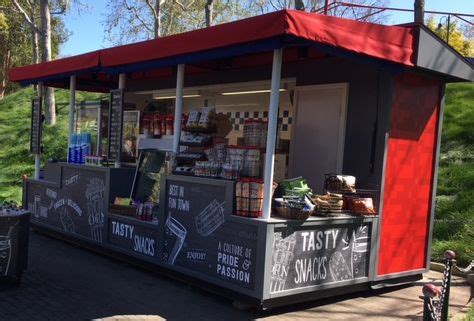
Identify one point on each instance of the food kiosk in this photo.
(283, 95)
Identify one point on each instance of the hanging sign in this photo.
(115, 124)
(36, 125)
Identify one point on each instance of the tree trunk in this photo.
(209, 8)
(36, 53)
(158, 18)
(420, 11)
(36, 36)
(6, 63)
(299, 5)
(49, 101)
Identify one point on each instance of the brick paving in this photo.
(64, 282)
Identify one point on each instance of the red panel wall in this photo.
(409, 174)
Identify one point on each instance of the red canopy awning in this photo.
(390, 43)
(64, 66)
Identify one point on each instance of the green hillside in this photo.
(15, 122)
(454, 227)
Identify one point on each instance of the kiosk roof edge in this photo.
(401, 45)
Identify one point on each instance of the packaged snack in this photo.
(205, 119)
(193, 118)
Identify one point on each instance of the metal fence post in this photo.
(448, 271)
(429, 292)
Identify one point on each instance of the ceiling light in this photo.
(248, 92)
(174, 96)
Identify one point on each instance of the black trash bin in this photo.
(14, 234)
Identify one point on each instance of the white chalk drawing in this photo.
(283, 254)
(73, 179)
(210, 218)
(43, 212)
(95, 195)
(176, 235)
(246, 264)
(66, 220)
(358, 245)
(338, 267)
(36, 206)
(51, 194)
(70, 203)
(6, 251)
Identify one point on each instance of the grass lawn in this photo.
(15, 123)
(454, 221)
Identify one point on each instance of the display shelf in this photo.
(209, 130)
(164, 143)
(189, 144)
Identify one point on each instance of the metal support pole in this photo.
(272, 132)
(448, 29)
(38, 156)
(72, 106)
(178, 110)
(121, 85)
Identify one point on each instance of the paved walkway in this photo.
(64, 282)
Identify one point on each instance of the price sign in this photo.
(115, 124)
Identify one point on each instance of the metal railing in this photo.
(436, 301)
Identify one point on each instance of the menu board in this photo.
(78, 207)
(36, 126)
(13, 244)
(199, 236)
(323, 254)
(115, 124)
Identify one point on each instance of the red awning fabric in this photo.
(69, 65)
(391, 43)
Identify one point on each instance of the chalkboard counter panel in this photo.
(133, 220)
(134, 237)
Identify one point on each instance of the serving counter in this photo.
(269, 262)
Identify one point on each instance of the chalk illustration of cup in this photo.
(5, 254)
(282, 257)
(176, 230)
(6, 251)
(210, 218)
(37, 206)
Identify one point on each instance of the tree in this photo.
(20, 37)
(463, 44)
(29, 10)
(133, 20)
(14, 43)
(361, 14)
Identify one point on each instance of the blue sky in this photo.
(88, 31)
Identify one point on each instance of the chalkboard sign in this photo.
(13, 245)
(199, 237)
(321, 255)
(36, 126)
(150, 168)
(78, 208)
(115, 124)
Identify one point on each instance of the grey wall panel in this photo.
(435, 55)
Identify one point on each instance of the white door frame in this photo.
(342, 123)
